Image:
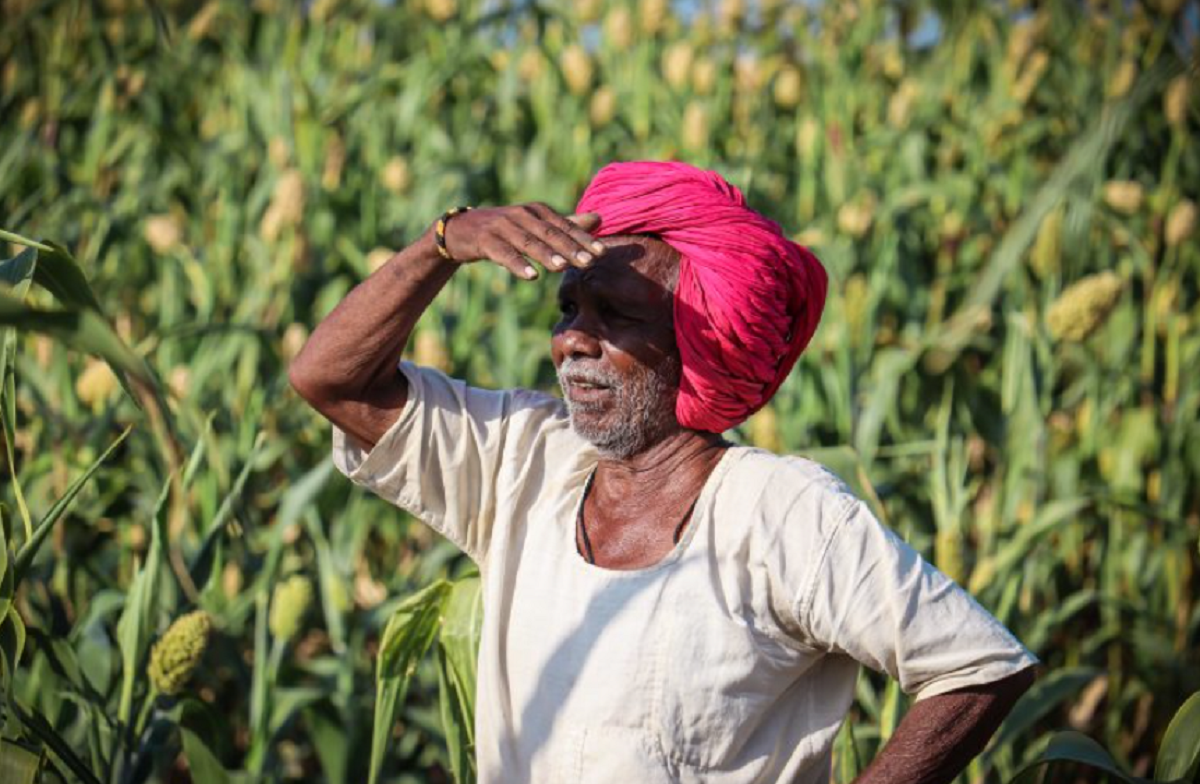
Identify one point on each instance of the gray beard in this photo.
(642, 412)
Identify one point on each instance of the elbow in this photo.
(307, 384)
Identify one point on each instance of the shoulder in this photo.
(518, 421)
(431, 386)
(788, 486)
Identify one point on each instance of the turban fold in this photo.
(748, 298)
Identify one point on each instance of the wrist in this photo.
(439, 233)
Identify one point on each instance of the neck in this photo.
(675, 461)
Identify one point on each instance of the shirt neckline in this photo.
(700, 516)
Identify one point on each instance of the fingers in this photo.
(569, 243)
(513, 236)
(507, 256)
(588, 221)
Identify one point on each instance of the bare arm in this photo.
(347, 369)
(940, 735)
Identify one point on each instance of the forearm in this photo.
(940, 735)
(358, 343)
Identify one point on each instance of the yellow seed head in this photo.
(677, 64)
(500, 58)
(1180, 223)
(176, 655)
(603, 106)
(162, 233)
(730, 14)
(529, 67)
(430, 351)
(764, 430)
(9, 78)
(289, 603)
(1031, 75)
(1047, 248)
(335, 161)
(180, 381)
(695, 127)
(855, 217)
(588, 11)
(294, 338)
(95, 384)
(618, 29)
(231, 580)
(1083, 307)
(948, 554)
(1020, 40)
(983, 574)
(704, 76)
(1124, 196)
(654, 15)
(811, 238)
(900, 104)
(808, 134)
(577, 69)
(395, 175)
(323, 9)
(1168, 7)
(855, 299)
(202, 22)
(1122, 78)
(789, 87)
(287, 205)
(279, 152)
(1175, 100)
(377, 258)
(747, 75)
(441, 10)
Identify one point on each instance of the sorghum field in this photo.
(1004, 194)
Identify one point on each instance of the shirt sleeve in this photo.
(874, 598)
(443, 459)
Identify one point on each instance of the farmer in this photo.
(660, 604)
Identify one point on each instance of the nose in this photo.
(578, 340)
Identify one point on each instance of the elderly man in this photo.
(660, 604)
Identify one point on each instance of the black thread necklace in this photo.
(587, 489)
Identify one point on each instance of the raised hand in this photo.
(511, 234)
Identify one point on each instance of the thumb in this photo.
(589, 221)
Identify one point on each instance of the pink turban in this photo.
(748, 299)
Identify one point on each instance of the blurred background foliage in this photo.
(1004, 195)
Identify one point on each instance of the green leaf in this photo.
(84, 330)
(454, 722)
(286, 702)
(17, 239)
(18, 764)
(59, 273)
(1085, 156)
(1076, 748)
(17, 272)
(30, 548)
(844, 461)
(458, 658)
(1179, 755)
(41, 729)
(408, 635)
(136, 625)
(203, 765)
(328, 736)
(1045, 695)
(12, 643)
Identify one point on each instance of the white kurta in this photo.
(731, 661)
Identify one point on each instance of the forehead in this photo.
(633, 268)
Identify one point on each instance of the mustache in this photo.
(583, 371)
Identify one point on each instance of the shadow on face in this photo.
(621, 309)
